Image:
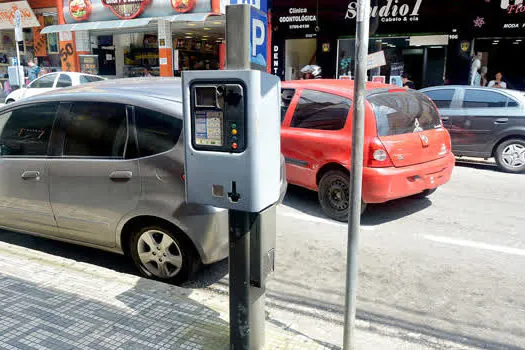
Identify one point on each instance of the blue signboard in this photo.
(260, 4)
(258, 37)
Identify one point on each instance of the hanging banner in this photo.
(40, 41)
(67, 52)
(7, 15)
(375, 60)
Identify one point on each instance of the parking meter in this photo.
(232, 160)
(232, 138)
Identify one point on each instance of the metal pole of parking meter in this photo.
(247, 315)
(356, 171)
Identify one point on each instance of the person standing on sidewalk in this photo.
(407, 83)
(498, 83)
(34, 69)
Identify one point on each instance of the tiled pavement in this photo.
(48, 302)
(53, 303)
(36, 317)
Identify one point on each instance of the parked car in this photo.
(102, 166)
(50, 82)
(484, 123)
(407, 150)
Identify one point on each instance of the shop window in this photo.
(286, 99)
(484, 99)
(64, 80)
(442, 97)
(25, 131)
(157, 132)
(52, 38)
(321, 111)
(96, 130)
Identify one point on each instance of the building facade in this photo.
(434, 42)
(123, 38)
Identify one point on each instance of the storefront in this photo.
(434, 42)
(138, 37)
(497, 34)
(414, 35)
(35, 14)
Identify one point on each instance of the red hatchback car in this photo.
(407, 149)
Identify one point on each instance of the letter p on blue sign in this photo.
(258, 38)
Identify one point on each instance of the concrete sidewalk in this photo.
(51, 302)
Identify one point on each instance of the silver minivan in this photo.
(102, 165)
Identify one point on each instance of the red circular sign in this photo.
(80, 10)
(183, 5)
(126, 9)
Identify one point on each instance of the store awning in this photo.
(126, 25)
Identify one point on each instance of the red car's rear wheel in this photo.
(334, 195)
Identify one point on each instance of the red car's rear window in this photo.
(399, 113)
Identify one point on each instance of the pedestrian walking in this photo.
(34, 69)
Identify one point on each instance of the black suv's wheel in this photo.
(164, 255)
(425, 193)
(334, 195)
(510, 156)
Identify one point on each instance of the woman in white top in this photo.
(498, 83)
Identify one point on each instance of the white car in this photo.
(52, 81)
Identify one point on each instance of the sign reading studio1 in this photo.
(392, 11)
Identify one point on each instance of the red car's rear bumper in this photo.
(384, 184)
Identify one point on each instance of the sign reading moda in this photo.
(392, 11)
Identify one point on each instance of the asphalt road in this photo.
(442, 272)
(450, 266)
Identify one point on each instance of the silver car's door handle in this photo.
(121, 175)
(27, 175)
(501, 121)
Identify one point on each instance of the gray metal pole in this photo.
(356, 171)
(247, 303)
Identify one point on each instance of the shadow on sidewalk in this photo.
(35, 316)
(205, 277)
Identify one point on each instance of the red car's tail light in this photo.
(378, 156)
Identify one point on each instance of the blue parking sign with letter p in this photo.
(258, 38)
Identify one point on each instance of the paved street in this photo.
(444, 272)
(449, 267)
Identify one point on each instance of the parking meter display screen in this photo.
(205, 96)
(208, 128)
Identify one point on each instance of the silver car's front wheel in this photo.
(163, 254)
